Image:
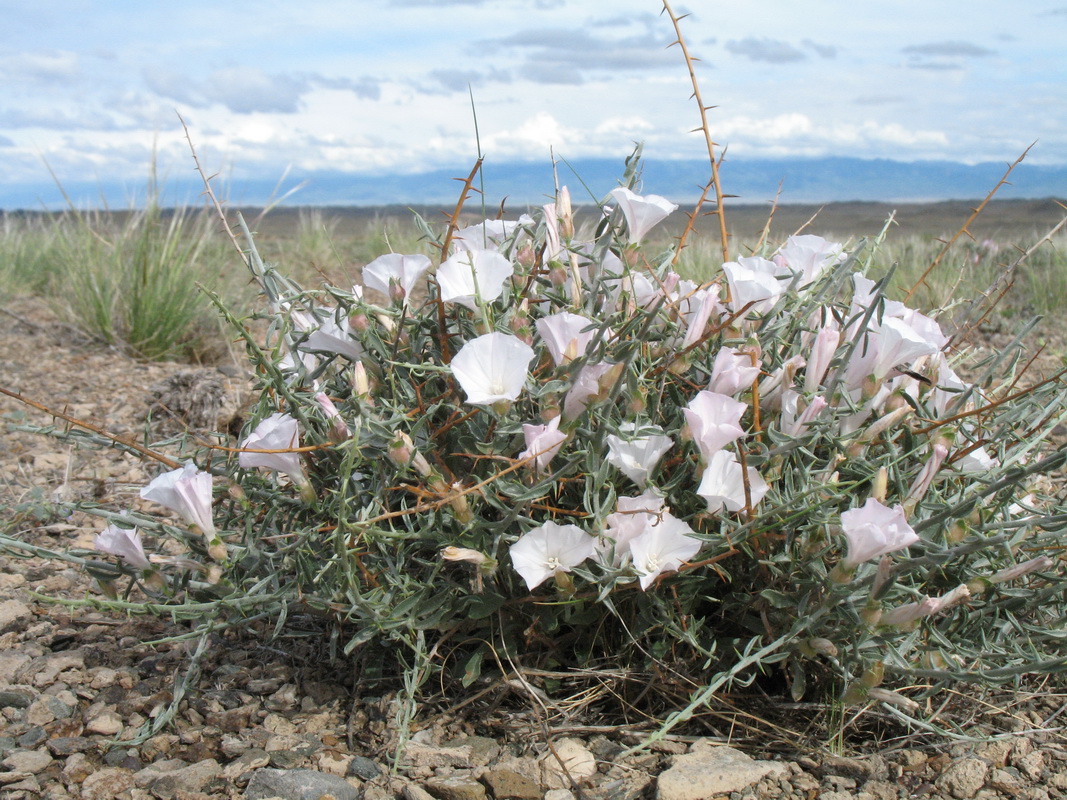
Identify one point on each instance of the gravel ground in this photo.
(268, 718)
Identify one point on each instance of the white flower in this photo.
(549, 549)
(326, 335)
(187, 491)
(637, 457)
(471, 276)
(632, 517)
(125, 543)
(713, 421)
(898, 343)
(732, 373)
(567, 336)
(875, 530)
(543, 442)
(642, 212)
(822, 353)
(663, 547)
(808, 256)
(395, 275)
(593, 381)
(279, 432)
(753, 283)
(492, 368)
(723, 484)
(488, 235)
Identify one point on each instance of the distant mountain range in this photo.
(818, 180)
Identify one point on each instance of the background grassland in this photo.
(136, 279)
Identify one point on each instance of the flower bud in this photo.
(566, 213)
(892, 698)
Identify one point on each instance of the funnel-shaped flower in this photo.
(488, 235)
(642, 213)
(806, 256)
(663, 547)
(395, 275)
(713, 421)
(567, 336)
(279, 432)
(549, 549)
(187, 491)
(753, 283)
(723, 484)
(592, 382)
(124, 543)
(326, 335)
(875, 530)
(733, 372)
(637, 457)
(492, 368)
(632, 517)
(543, 442)
(473, 275)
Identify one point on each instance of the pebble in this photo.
(27, 761)
(298, 784)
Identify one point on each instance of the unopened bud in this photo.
(892, 698)
(566, 213)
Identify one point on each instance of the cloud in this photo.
(447, 81)
(248, 90)
(6, 142)
(435, 3)
(772, 51)
(576, 49)
(949, 49)
(821, 50)
(60, 120)
(41, 67)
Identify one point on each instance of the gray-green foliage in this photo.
(418, 470)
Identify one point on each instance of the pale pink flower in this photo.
(909, 612)
(550, 549)
(663, 547)
(642, 213)
(124, 543)
(395, 275)
(875, 530)
(976, 461)
(822, 353)
(697, 321)
(632, 517)
(326, 334)
(713, 421)
(723, 484)
(898, 343)
(636, 457)
(793, 421)
(492, 368)
(733, 372)
(808, 256)
(279, 432)
(543, 442)
(473, 276)
(926, 475)
(487, 235)
(339, 430)
(589, 385)
(754, 284)
(567, 336)
(187, 491)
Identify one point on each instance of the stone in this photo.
(710, 770)
(67, 745)
(964, 777)
(14, 615)
(188, 779)
(413, 792)
(16, 698)
(298, 784)
(27, 761)
(77, 768)
(578, 764)
(1005, 781)
(455, 787)
(1032, 765)
(106, 784)
(33, 737)
(845, 767)
(558, 794)
(506, 784)
(995, 752)
(248, 761)
(363, 768)
(106, 723)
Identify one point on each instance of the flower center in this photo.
(553, 564)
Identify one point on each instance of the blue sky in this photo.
(93, 86)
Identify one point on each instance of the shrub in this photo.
(553, 453)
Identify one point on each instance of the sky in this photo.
(93, 89)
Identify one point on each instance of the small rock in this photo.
(413, 792)
(363, 768)
(578, 764)
(1004, 781)
(964, 777)
(298, 784)
(33, 737)
(27, 761)
(106, 784)
(247, 762)
(1031, 765)
(417, 754)
(106, 723)
(77, 768)
(14, 615)
(845, 767)
(186, 780)
(67, 745)
(558, 794)
(506, 784)
(995, 752)
(711, 770)
(333, 762)
(16, 698)
(455, 787)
